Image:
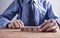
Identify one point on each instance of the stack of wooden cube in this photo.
(30, 29)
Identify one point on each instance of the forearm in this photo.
(3, 22)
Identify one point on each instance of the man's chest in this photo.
(40, 6)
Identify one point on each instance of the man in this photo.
(30, 13)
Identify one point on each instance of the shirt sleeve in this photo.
(51, 13)
(9, 13)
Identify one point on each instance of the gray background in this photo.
(5, 3)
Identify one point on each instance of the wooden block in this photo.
(36, 29)
(29, 28)
(23, 29)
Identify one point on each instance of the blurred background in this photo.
(5, 3)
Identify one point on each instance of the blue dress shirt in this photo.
(42, 10)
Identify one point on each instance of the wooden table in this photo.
(16, 33)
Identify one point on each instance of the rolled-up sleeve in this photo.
(3, 22)
(51, 13)
(8, 14)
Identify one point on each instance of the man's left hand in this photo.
(49, 26)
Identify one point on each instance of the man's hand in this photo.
(49, 26)
(15, 24)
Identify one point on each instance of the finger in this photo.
(10, 25)
(54, 24)
(21, 23)
(16, 25)
(50, 20)
(43, 24)
(51, 24)
(44, 27)
(51, 28)
(56, 30)
(48, 25)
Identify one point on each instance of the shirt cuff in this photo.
(58, 22)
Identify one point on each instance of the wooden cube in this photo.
(23, 29)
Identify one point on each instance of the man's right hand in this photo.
(16, 24)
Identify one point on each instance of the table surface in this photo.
(16, 33)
